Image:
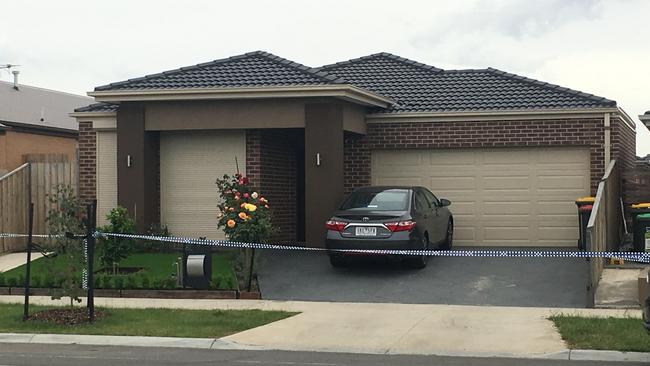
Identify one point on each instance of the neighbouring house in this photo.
(511, 153)
(36, 121)
(645, 118)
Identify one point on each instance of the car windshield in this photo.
(378, 200)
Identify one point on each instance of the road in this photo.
(72, 355)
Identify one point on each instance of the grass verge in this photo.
(147, 322)
(615, 334)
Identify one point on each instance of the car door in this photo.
(424, 213)
(439, 217)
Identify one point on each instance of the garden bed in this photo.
(155, 279)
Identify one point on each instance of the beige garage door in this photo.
(106, 174)
(500, 197)
(190, 163)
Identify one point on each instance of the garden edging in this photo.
(159, 294)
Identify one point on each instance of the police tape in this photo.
(10, 235)
(630, 256)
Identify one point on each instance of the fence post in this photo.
(29, 260)
(90, 242)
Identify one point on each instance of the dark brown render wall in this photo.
(87, 162)
(137, 185)
(324, 182)
(469, 134)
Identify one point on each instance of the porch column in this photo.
(323, 168)
(137, 166)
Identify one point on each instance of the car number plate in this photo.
(366, 231)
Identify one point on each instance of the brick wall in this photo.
(87, 162)
(468, 134)
(623, 141)
(271, 166)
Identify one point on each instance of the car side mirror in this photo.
(444, 202)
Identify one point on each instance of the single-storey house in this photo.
(36, 121)
(511, 153)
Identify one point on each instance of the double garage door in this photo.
(500, 197)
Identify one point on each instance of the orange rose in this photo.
(242, 215)
(231, 223)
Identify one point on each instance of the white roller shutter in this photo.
(106, 166)
(190, 163)
(500, 197)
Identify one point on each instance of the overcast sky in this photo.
(600, 47)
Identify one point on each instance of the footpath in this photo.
(376, 328)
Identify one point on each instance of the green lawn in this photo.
(158, 269)
(147, 322)
(616, 334)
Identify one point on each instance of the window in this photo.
(421, 202)
(431, 198)
(377, 200)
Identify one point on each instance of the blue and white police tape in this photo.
(630, 256)
(10, 235)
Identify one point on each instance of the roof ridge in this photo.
(301, 67)
(559, 88)
(305, 69)
(391, 56)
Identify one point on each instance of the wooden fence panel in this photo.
(604, 230)
(34, 181)
(14, 200)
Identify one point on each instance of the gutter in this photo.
(518, 114)
(342, 91)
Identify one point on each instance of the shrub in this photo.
(118, 282)
(158, 283)
(35, 281)
(112, 250)
(146, 283)
(169, 283)
(12, 282)
(97, 281)
(49, 282)
(106, 282)
(131, 282)
(2, 280)
(21, 279)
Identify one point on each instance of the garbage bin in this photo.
(585, 205)
(642, 232)
(638, 237)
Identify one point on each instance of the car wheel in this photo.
(337, 260)
(449, 238)
(420, 261)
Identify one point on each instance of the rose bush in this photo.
(244, 214)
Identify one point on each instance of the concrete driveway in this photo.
(548, 282)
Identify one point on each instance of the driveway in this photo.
(540, 282)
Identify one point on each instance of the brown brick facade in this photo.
(469, 134)
(271, 166)
(87, 162)
(623, 141)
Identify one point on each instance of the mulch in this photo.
(68, 316)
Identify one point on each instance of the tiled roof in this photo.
(415, 87)
(252, 69)
(98, 107)
(420, 88)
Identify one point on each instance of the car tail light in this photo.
(335, 225)
(400, 226)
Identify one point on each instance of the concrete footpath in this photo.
(368, 328)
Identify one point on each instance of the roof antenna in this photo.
(15, 72)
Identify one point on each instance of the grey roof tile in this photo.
(98, 107)
(414, 86)
(420, 88)
(252, 69)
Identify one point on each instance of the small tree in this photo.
(244, 216)
(66, 216)
(113, 249)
